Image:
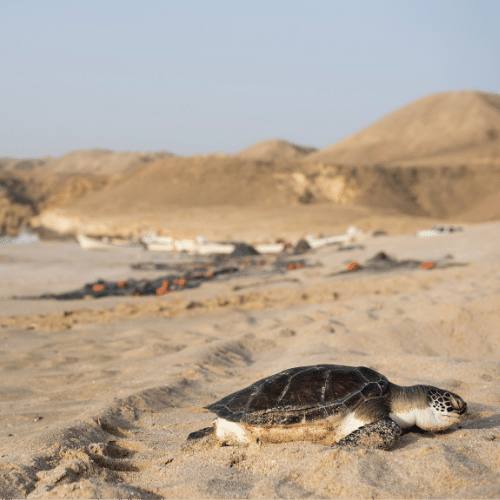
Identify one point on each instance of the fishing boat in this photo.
(352, 234)
(105, 243)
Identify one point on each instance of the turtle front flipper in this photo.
(381, 434)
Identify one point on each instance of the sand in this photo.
(98, 396)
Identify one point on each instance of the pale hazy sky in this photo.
(201, 76)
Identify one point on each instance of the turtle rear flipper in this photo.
(381, 434)
(201, 433)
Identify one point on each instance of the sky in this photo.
(204, 76)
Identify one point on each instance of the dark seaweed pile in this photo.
(183, 276)
(382, 262)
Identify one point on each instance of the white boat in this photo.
(188, 246)
(202, 240)
(214, 248)
(352, 234)
(160, 247)
(154, 238)
(199, 247)
(122, 242)
(89, 243)
(439, 230)
(264, 248)
(326, 240)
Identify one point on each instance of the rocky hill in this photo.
(438, 157)
(446, 129)
(275, 149)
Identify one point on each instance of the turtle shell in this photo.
(305, 393)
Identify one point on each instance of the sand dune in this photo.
(274, 149)
(451, 128)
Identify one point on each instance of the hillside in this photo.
(195, 181)
(31, 185)
(451, 128)
(98, 161)
(275, 149)
(438, 157)
(486, 210)
(186, 192)
(94, 161)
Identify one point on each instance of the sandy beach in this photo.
(99, 395)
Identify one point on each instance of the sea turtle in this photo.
(333, 405)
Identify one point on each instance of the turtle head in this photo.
(444, 409)
(430, 408)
